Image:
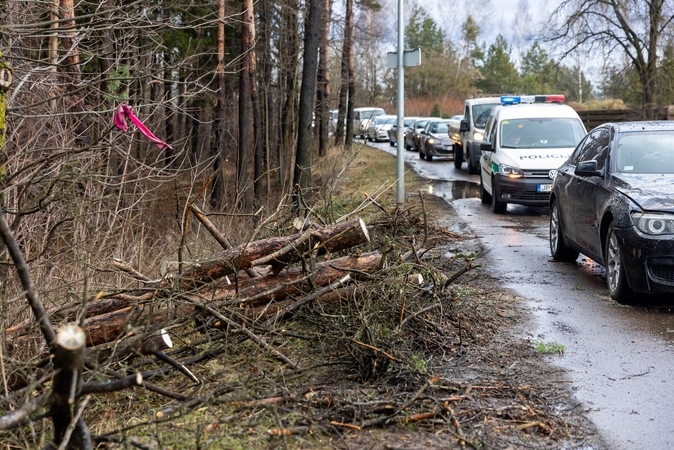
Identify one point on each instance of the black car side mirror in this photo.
(587, 169)
(464, 126)
(485, 146)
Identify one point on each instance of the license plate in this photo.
(544, 188)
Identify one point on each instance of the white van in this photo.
(526, 139)
(361, 118)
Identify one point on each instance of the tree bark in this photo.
(244, 103)
(344, 118)
(290, 49)
(323, 76)
(258, 182)
(302, 176)
(69, 359)
(217, 144)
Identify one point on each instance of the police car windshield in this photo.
(541, 133)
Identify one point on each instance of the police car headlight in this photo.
(655, 224)
(431, 141)
(477, 136)
(510, 172)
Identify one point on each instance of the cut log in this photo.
(145, 317)
(335, 238)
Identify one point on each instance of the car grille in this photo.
(519, 194)
(536, 174)
(663, 272)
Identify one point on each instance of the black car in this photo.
(613, 200)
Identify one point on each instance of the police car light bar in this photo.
(515, 99)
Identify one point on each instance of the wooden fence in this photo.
(594, 118)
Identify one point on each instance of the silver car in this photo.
(379, 126)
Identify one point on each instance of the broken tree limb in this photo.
(248, 333)
(337, 237)
(222, 240)
(293, 308)
(14, 418)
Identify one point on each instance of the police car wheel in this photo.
(497, 206)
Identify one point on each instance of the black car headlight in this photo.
(655, 224)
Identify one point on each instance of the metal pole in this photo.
(400, 110)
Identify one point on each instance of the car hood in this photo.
(533, 159)
(649, 191)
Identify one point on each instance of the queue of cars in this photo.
(609, 191)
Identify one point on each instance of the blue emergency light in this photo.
(515, 99)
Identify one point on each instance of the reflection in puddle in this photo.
(453, 190)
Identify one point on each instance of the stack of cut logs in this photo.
(262, 278)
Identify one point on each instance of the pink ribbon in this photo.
(125, 111)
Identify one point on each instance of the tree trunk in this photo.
(69, 41)
(302, 175)
(290, 59)
(258, 182)
(244, 100)
(217, 144)
(345, 101)
(323, 76)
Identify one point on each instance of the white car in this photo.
(526, 139)
(361, 119)
(379, 126)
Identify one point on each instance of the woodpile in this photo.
(118, 324)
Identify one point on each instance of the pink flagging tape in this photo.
(125, 111)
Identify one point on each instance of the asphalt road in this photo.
(619, 359)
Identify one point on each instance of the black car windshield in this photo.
(421, 124)
(481, 114)
(645, 152)
(408, 122)
(541, 133)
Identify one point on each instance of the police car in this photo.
(526, 139)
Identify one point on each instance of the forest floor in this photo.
(396, 364)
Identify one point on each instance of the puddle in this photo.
(454, 190)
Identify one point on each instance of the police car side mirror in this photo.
(464, 126)
(587, 169)
(485, 146)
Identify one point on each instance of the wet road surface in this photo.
(619, 359)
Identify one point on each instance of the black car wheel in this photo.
(497, 206)
(458, 156)
(421, 154)
(558, 250)
(472, 169)
(391, 143)
(616, 279)
(429, 157)
(485, 197)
